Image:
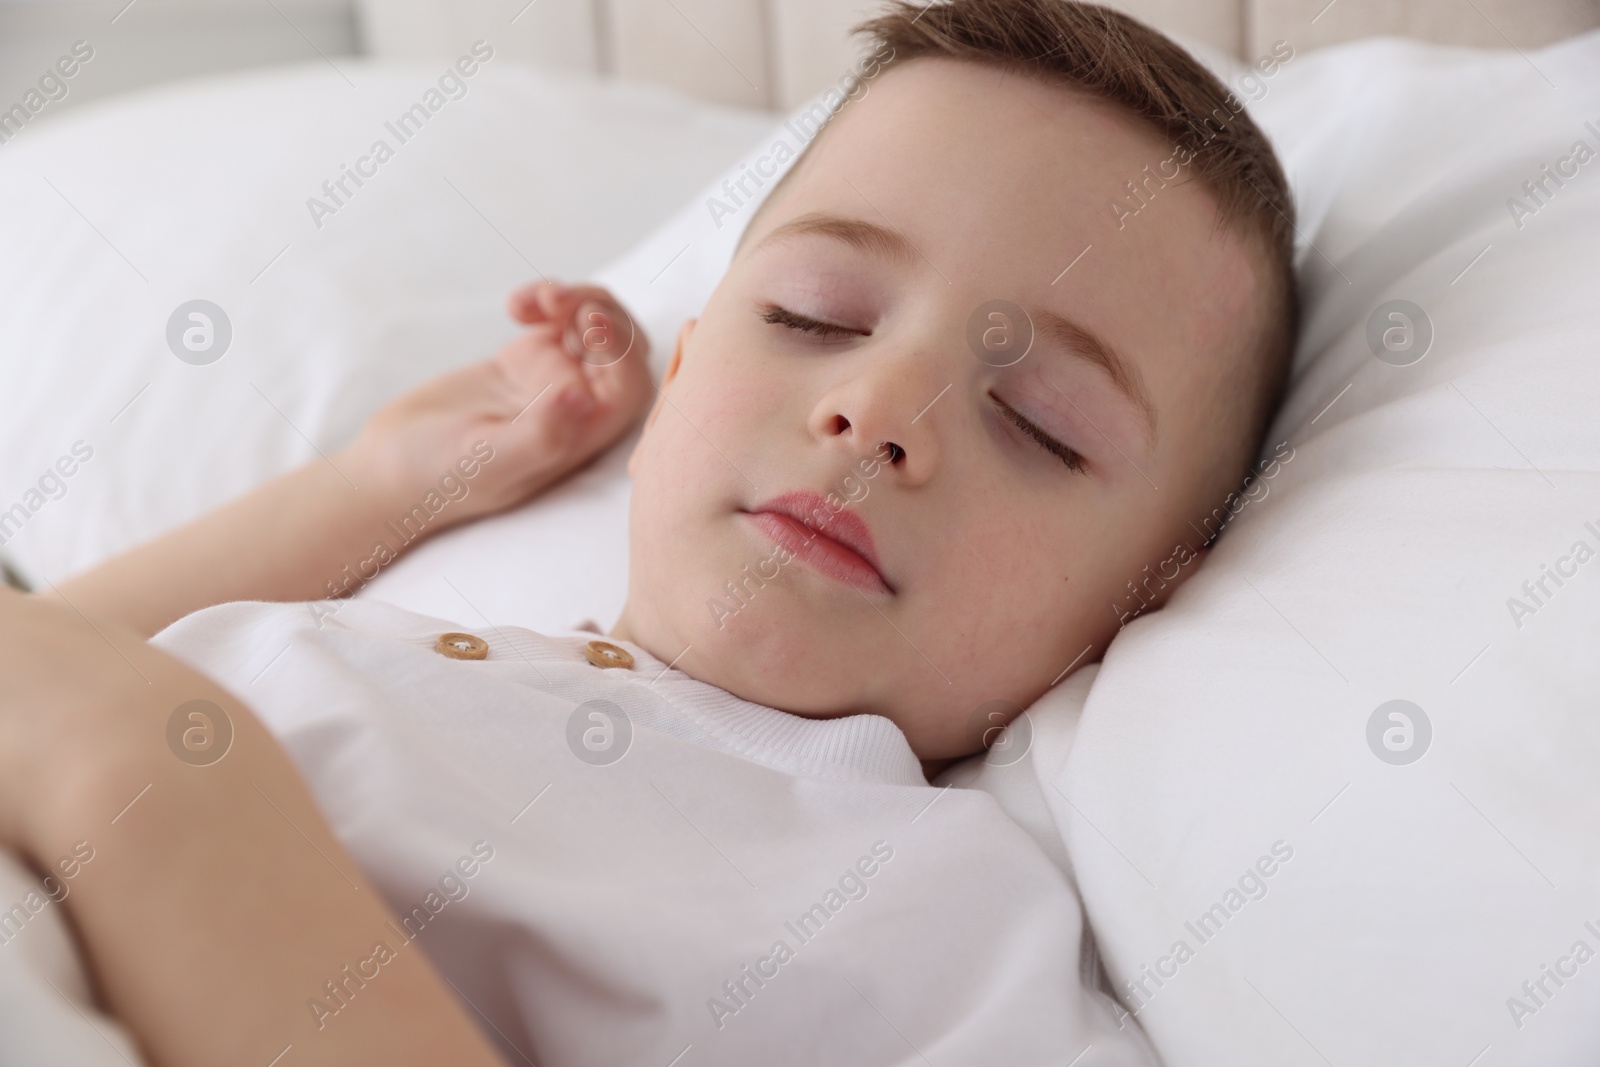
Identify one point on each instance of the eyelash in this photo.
(1072, 459)
(781, 316)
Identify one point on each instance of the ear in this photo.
(661, 399)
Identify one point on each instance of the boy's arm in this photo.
(467, 444)
(281, 541)
(212, 902)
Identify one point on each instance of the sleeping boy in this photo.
(701, 837)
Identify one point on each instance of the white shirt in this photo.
(740, 886)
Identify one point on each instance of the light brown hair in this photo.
(1117, 58)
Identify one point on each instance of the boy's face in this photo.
(997, 562)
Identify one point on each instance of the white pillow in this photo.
(120, 213)
(1398, 907)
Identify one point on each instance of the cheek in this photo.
(1050, 573)
(1010, 611)
(693, 463)
(727, 386)
(1013, 564)
(704, 425)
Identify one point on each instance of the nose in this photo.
(884, 409)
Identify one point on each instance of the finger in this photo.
(580, 295)
(599, 333)
(601, 353)
(518, 303)
(608, 341)
(531, 303)
(537, 367)
(561, 303)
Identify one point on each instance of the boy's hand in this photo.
(546, 403)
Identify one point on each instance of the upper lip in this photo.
(813, 511)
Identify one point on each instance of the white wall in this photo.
(775, 53)
(751, 53)
(152, 41)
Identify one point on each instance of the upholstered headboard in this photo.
(775, 53)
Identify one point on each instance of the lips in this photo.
(836, 543)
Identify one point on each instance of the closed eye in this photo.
(780, 316)
(1072, 459)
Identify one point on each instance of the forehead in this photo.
(1001, 181)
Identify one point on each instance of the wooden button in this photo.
(605, 654)
(462, 646)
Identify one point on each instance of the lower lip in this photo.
(824, 554)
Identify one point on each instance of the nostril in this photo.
(896, 453)
(840, 424)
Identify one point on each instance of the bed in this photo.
(1367, 690)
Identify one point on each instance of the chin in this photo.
(765, 655)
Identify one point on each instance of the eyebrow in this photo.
(1081, 342)
(857, 233)
(1075, 338)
